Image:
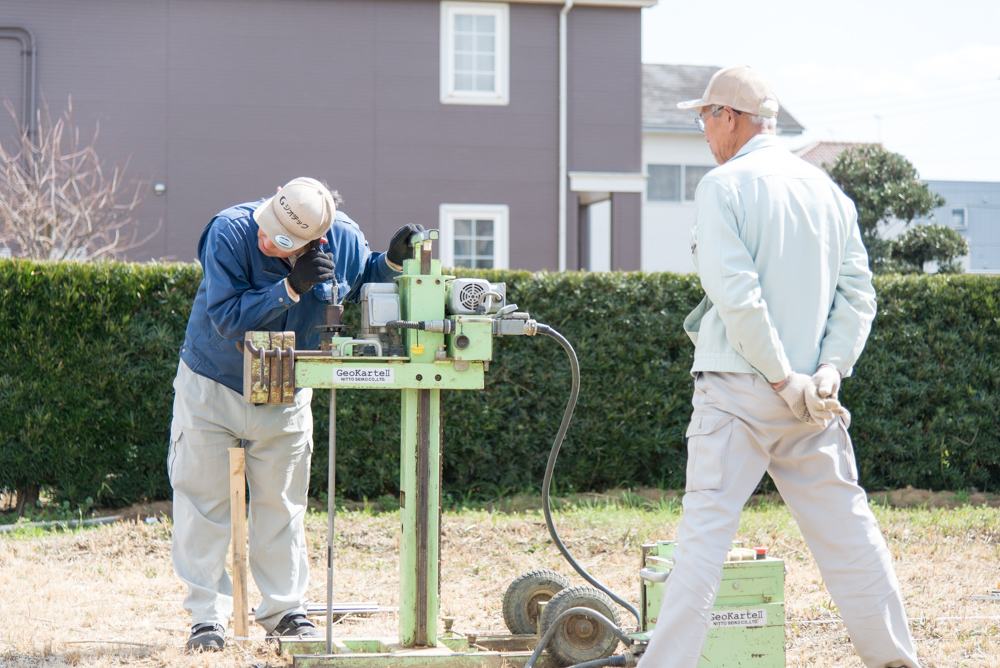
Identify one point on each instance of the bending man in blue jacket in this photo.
(261, 273)
(788, 310)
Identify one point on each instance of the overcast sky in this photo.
(922, 77)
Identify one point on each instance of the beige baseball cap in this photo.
(741, 88)
(301, 211)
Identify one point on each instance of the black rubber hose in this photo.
(618, 660)
(549, 632)
(553, 454)
(404, 324)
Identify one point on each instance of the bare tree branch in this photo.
(59, 200)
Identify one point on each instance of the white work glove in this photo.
(827, 380)
(799, 392)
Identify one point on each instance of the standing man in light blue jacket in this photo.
(789, 305)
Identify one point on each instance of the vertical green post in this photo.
(419, 553)
(422, 298)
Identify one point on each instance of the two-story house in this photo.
(501, 123)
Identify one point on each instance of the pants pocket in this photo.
(708, 445)
(175, 437)
(848, 461)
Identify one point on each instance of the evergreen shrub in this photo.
(89, 352)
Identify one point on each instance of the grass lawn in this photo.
(107, 596)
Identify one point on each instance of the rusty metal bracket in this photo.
(269, 367)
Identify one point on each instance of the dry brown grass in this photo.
(108, 596)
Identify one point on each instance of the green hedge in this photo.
(89, 352)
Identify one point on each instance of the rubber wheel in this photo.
(520, 601)
(580, 638)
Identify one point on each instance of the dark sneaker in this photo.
(207, 638)
(295, 625)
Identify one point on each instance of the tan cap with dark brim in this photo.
(740, 88)
(301, 212)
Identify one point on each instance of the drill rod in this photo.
(331, 511)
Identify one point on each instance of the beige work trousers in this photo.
(741, 428)
(209, 418)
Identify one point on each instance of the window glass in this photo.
(664, 183)
(474, 52)
(692, 177)
(958, 217)
(474, 243)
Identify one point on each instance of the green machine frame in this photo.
(452, 359)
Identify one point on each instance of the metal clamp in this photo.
(364, 342)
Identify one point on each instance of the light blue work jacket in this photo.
(780, 257)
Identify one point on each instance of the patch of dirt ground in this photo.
(107, 596)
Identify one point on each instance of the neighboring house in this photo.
(973, 209)
(675, 156)
(446, 113)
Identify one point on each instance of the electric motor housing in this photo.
(465, 296)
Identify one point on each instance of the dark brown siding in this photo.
(223, 101)
(605, 102)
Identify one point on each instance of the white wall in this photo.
(666, 226)
(599, 219)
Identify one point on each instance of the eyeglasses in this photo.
(700, 121)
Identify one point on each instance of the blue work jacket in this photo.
(244, 290)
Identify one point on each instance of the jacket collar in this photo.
(758, 142)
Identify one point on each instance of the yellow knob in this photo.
(417, 348)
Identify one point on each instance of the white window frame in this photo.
(501, 56)
(965, 217)
(499, 213)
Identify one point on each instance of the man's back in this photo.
(774, 234)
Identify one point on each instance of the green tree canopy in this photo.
(883, 185)
(924, 243)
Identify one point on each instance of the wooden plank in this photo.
(238, 518)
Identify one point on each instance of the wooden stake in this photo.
(238, 514)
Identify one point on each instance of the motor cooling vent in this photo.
(470, 294)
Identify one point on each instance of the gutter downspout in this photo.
(27, 40)
(563, 116)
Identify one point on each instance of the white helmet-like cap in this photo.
(301, 212)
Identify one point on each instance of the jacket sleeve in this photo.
(234, 306)
(731, 282)
(854, 306)
(374, 269)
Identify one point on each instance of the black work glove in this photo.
(399, 247)
(312, 268)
